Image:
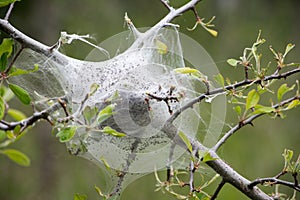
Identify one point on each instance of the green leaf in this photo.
(186, 141)
(6, 2)
(20, 93)
(293, 104)
(10, 135)
(17, 71)
(80, 197)
(207, 157)
(107, 166)
(233, 62)
(6, 93)
(17, 156)
(66, 134)
(17, 130)
(259, 109)
(282, 90)
(113, 97)
(186, 70)
(297, 165)
(2, 135)
(162, 48)
(106, 113)
(2, 108)
(7, 45)
(16, 114)
(93, 88)
(220, 79)
(98, 190)
(211, 31)
(288, 48)
(113, 132)
(252, 99)
(3, 61)
(238, 110)
(89, 113)
(287, 155)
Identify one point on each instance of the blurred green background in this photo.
(253, 151)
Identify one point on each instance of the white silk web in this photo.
(142, 86)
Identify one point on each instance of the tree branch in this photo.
(228, 174)
(28, 42)
(230, 87)
(248, 121)
(5, 126)
(274, 181)
(219, 188)
(232, 177)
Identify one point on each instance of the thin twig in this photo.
(196, 13)
(11, 6)
(219, 188)
(248, 121)
(229, 87)
(274, 181)
(166, 4)
(192, 172)
(28, 42)
(5, 126)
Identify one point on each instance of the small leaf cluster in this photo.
(248, 102)
(93, 121)
(176, 183)
(7, 92)
(206, 25)
(291, 166)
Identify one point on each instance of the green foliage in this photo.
(207, 157)
(89, 113)
(16, 114)
(290, 165)
(283, 89)
(16, 156)
(99, 192)
(17, 71)
(6, 2)
(233, 62)
(105, 113)
(171, 187)
(2, 135)
(259, 109)
(113, 132)
(162, 48)
(220, 80)
(2, 108)
(20, 93)
(252, 99)
(80, 197)
(6, 47)
(186, 141)
(93, 88)
(67, 133)
(206, 25)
